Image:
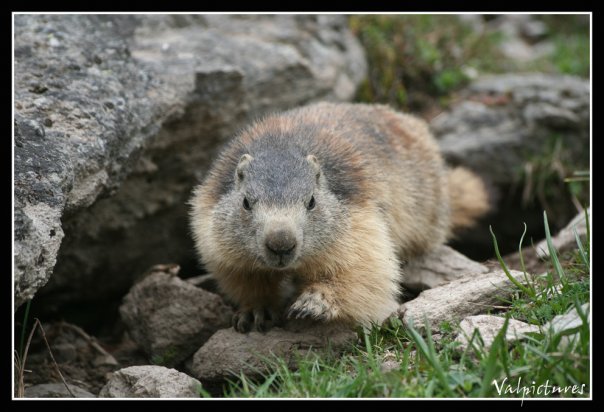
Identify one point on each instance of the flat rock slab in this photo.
(56, 390)
(229, 353)
(489, 326)
(170, 318)
(458, 299)
(150, 381)
(438, 267)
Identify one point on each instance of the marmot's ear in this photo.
(243, 165)
(314, 163)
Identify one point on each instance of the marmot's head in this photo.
(280, 209)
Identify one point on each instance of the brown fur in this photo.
(469, 199)
(396, 200)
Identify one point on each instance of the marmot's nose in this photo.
(280, 242)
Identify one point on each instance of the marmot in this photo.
(323, 203)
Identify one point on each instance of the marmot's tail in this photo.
(468, 196)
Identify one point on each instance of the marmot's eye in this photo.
(311, 203)
(246, 204)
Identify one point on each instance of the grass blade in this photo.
(519, 285)
(23, 329)
(432, 357)
(582, 253)
(552, 251)
(530, 285)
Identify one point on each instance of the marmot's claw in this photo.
(242, 321)
(259, 319)
(313, 305)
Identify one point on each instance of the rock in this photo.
(571, 321)
(505, 128)
(228, 353)
(389, 366)
(439, 267)
(117, 117)
(88, 150)
(457, 299)
(504, 120)
(170, 318)
(565, 239)
(489, 326)
(56, 390)
(568, 325)
(150, 381)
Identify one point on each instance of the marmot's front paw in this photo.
(260, 319)
(313, 304)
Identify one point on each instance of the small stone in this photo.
(48, 122)
(569, 321)
(54, 42)
(150, 381)
(169, 317)
(389, 365)
(489, 326)
(569, 325)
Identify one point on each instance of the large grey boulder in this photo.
(117, 117)
(150, 381)
(504, 120)
(170, 318)
(82, 113)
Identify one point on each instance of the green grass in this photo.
(435, 367)
(416, 61)
(571, 46)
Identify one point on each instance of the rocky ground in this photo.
(177, 337)
(116, 119)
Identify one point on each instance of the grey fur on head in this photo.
(273, 192)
